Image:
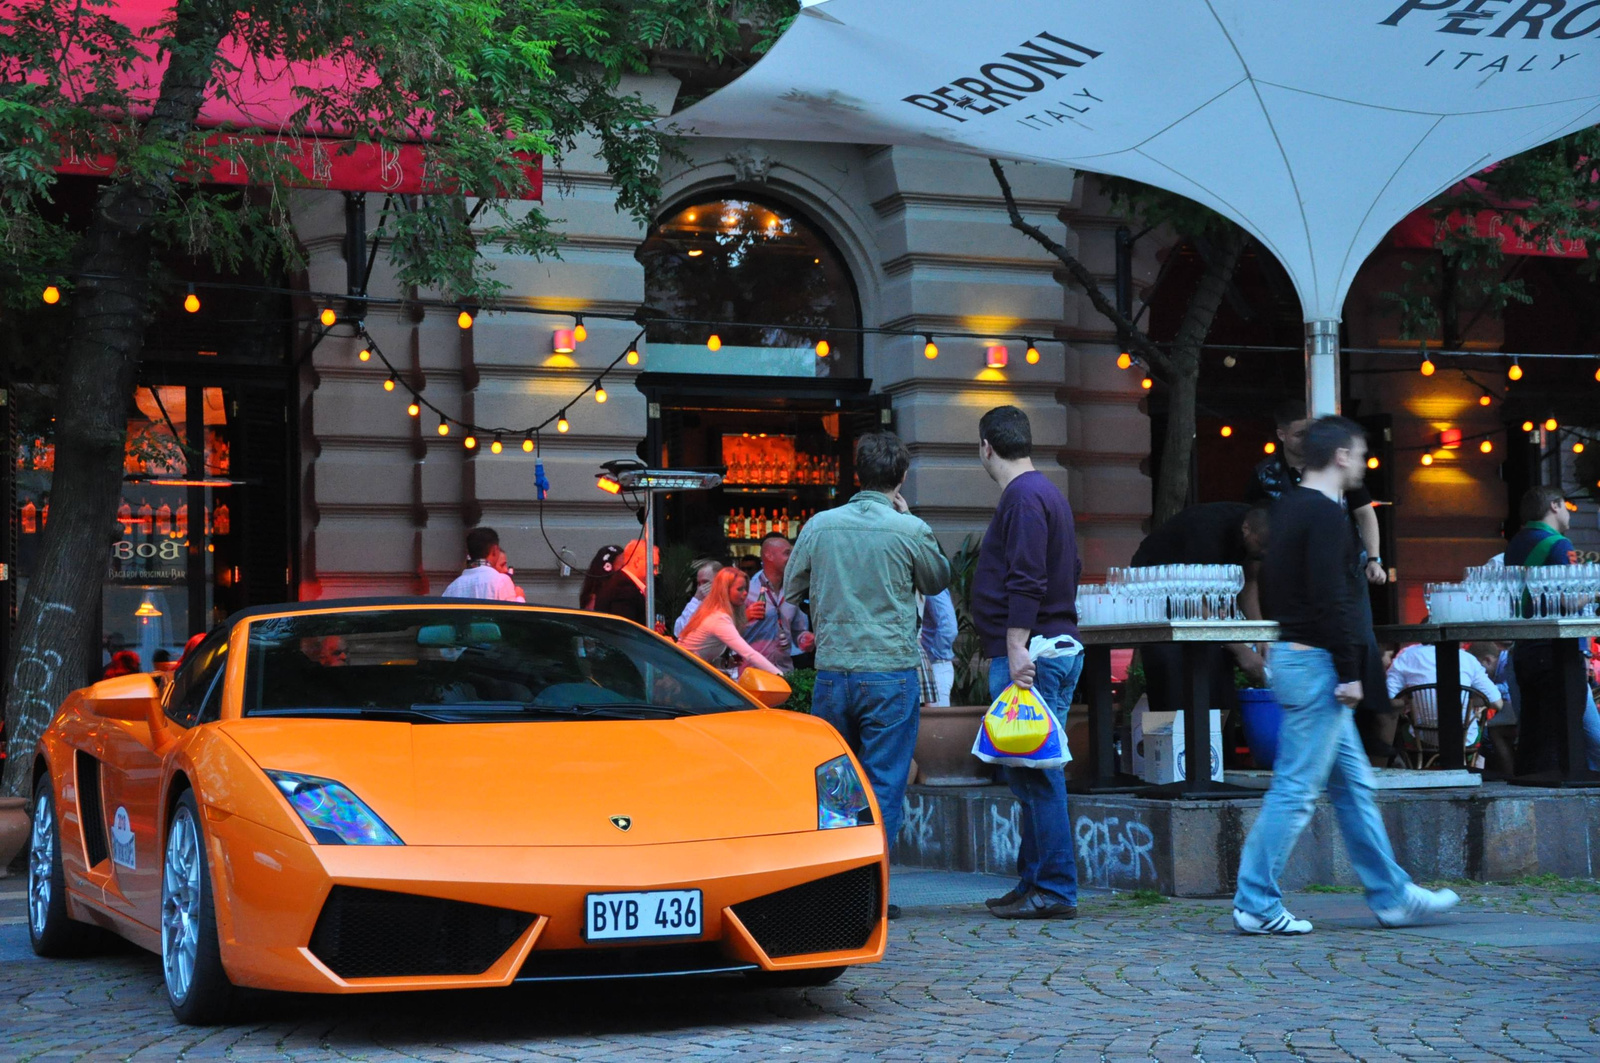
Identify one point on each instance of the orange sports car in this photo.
(394, 794)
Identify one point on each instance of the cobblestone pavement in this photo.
(1512, 977)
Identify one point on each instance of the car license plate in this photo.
(654, 914)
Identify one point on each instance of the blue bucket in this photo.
(1262, 718)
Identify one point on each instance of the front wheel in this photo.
(191, 960)
(51, 931)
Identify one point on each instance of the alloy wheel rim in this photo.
(180, 905)
(41, 861)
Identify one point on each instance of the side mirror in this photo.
(130, 698)
(771, 690)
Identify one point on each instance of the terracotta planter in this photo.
(944, 747)
(13, 829)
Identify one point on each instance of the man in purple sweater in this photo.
(1024, 609)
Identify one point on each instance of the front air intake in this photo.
(828, 915)
(364, 933)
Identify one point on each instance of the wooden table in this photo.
(1194, 635)
(1447, 639)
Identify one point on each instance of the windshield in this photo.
(472, 665)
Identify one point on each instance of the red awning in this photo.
(261, 95)
(1421, 229)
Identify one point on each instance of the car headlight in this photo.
(841, 799)
(333, 814)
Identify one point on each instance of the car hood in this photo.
(726, 775)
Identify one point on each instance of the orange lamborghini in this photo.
(395, 794)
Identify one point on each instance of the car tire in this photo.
(51, 931)
(801, 979)
(191, 959)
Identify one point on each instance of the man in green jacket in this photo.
(863, 564)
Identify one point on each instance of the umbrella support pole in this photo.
(1322, 367)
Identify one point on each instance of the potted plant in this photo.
(1262, 717)
(944, 740)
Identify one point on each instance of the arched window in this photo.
(737, 259)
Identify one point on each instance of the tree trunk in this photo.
(56, 635)
(1172, 485)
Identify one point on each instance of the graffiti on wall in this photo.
(1114, 853)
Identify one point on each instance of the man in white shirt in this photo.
(775, 626)
(1417, 665)
(487, 574)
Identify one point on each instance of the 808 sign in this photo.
(125, 550)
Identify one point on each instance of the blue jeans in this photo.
(876, 712)
(1317, 747)
(1045, 857)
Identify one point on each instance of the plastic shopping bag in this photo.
(1021, 730)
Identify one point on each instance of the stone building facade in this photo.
(385, 500)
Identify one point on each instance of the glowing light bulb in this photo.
(365, 355)
(1227, 430)
(562, 425)
(1270, 448)
(1229, 361)
(1484, 400)
(414, 409)
(444, 427)
(1550, 425)
(600, 394)
(1428, 368)
(822, 348)
(471, 442)
(463, 320)
(1427, 459)
(1486, 447)
(1147, 383)
(714, 342)
(191, 303)
(497, 446)
(527, 445)
(1372, 463)
(52, 294)
(930, 350)
(1597, 377)
(1577, 448)
(1032, 355)
(327, 317)
(1527, 426)
(579, 332)
(633, 356)
(1515, 372)
(1124, 360)
(388, 385)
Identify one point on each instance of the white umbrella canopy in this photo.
(1316, 126)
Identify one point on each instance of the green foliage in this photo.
(1145, 898)
(486, 80)
(1547, 194)
(801, 683)
(972, 670)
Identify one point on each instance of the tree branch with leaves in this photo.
(1177, 364)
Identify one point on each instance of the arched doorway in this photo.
(763, 277)
(770, 408)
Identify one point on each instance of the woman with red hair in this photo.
(714, 628)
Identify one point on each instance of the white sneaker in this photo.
(1417, 906)
(1282, 923)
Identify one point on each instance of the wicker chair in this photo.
(1420, 747)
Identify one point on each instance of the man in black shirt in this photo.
(1280, 472)
(1214, 533)
(1310, 584)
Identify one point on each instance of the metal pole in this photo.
(649, 559)
(1322, 367)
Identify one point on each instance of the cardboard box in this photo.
(1158, 746)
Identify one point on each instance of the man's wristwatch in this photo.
(1375, 561)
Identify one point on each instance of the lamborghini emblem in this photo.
(622, 822)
